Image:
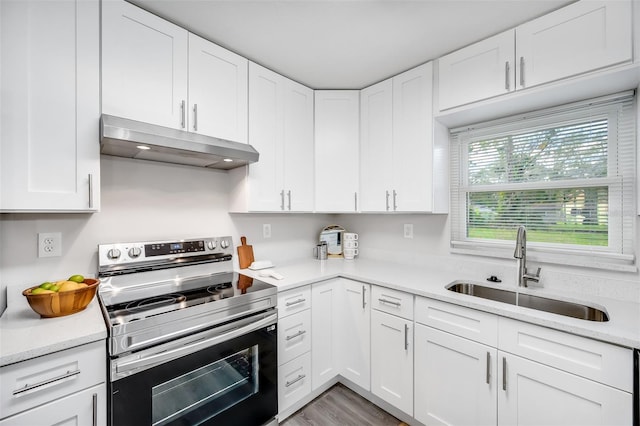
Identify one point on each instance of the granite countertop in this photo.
(24, 335)
(623, 327)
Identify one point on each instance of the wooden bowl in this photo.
(51, 305)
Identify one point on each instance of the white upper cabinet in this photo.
(397, 144)
(217, 91)
(156, 72)
(476, 72)
(144, 66)
(50, 152)
(281, 130)
(337, 116)
(582, 37)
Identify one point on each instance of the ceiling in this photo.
(351, 44)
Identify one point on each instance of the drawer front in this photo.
(392, 301)
(602, 362)
(475, 325)
(88, 407)
(294, 381)
(294, 336)
(293, 301)
(37, 381)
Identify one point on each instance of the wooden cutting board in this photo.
(245, 254)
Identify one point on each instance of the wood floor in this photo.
(340, 406)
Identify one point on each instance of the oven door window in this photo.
(234, 382)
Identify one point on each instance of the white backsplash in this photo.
(144, 200)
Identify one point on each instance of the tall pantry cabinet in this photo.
(50, 82)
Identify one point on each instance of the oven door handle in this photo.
(244, 326)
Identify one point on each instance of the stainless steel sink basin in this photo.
(569, 309)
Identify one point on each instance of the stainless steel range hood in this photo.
(124, 138)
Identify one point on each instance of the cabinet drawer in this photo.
(294, 336)
(592, 359)
(464, 322)
(392, 301)
(88, 407)
(294, 381)
(37, 381)
(292, 301)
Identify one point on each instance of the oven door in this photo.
(225, 376)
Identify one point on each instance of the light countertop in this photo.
(24, 335)
(623, 327)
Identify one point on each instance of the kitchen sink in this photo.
(561, 307)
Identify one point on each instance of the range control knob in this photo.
(134, 252)
(211, 245)
(224, 244)
(113, 253)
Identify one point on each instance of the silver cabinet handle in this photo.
(297, 379)
(195, 117)
(504, 373)
(182, 114)
(90, 190)
(406, 337)
(387, 199)
(364, 303)
(29, 387)
(390, 302)
(355, 201)
(522, 71)
(94, 405)
(395, 196)
(282, 200)
(506, 75)
(298, 334)
(488, 367)
(289, 197)
(295, 302)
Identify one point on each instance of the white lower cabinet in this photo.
(325, 331)
(66, 387)
(294, 346)
(455, 379)
(392, 359)
(355, 332)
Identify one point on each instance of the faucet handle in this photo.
(532, 277)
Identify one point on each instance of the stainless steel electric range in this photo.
(190, 341)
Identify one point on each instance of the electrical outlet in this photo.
(266, 230)
(408, 230)
(49, 244)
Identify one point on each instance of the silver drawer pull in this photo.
(295, 302)
(390, 302)
(29, 387)
(504, 373)
(297, 379)
(298, 334)
(488, 378)
(94, 406)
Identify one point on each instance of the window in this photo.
(566, 173)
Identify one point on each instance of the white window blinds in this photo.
(566, 173)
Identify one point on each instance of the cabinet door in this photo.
(477, 72)
(413, 140)
(581, 37)
(298, 147)
(355, 344)
(325, 328)
(376, 147)
(50, 82)
(392, 360)
(455, 379)
(265, 181)
(144, 66)
(218, 84)
(88, 407)
(336, 150)
(534, 394)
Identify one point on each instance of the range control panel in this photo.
(145, 251)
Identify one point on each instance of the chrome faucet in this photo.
(521, 254)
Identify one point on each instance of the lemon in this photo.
(40, 290)
(68, 286)
(77, 278)
(46, 285)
